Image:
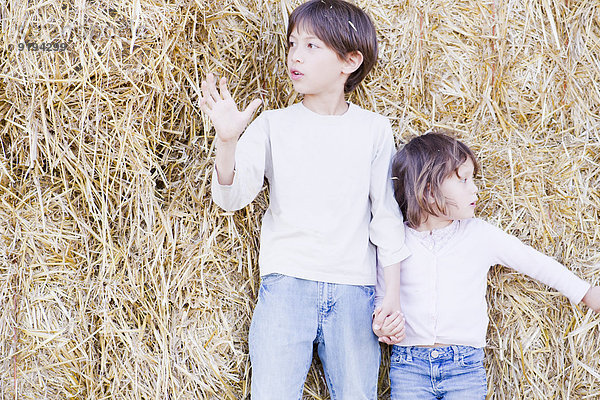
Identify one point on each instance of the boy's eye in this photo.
(312, 46)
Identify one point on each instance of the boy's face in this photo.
(314, 68)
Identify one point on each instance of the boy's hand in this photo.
(389, 305)
(592, 298)
(391, 329)
(228, 121)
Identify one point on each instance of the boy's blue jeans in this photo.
(293, 314)
(449, 373)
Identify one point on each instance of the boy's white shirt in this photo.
(443, 283)
(331, 210)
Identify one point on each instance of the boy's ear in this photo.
(353, 61)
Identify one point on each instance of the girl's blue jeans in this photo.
(449, 373)
(291, 316)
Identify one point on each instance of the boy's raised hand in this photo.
(218, 104)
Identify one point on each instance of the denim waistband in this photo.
(433, 353)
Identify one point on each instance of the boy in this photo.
(329, 219)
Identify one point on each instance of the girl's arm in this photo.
(508, 250)
(592, 298)
(388, 321)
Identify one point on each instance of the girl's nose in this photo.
(474, 187)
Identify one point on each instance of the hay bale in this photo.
(118, 276)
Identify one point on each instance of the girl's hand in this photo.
(389, 305)
(592, 298)
(392, 329)
(228, 121)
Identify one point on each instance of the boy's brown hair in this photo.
(419, 169)
(343, 27)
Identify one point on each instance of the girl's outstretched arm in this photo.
(592, 298)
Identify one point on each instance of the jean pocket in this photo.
(368, 289)
(271, 279)
(472, 358)
(399, 356)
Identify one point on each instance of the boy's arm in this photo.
(386, 229)
(228, 121)
(225, 161)
(239, 160)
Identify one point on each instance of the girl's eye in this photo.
(312, 46)
(291, 44)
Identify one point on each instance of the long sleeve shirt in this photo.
(443, 283)
(331, 211)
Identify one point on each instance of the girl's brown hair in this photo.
(343, 27)
(419, 169)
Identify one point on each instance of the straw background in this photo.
(119, 278)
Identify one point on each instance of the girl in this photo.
(439, 353)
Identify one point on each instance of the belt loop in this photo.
(456, 355)
(408, 354)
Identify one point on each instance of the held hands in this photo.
(592, 298)
(388, 322)
(228, 121)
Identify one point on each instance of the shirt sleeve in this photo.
(250, 161)
(386, 229)
(379, 286)
(513, 253)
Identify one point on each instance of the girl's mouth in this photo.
(294, 74)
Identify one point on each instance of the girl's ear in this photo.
(352, 62)
(429, 195)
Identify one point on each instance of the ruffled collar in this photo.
(436, 239)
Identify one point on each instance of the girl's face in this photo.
(460, 192)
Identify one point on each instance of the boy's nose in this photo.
(296, 55)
